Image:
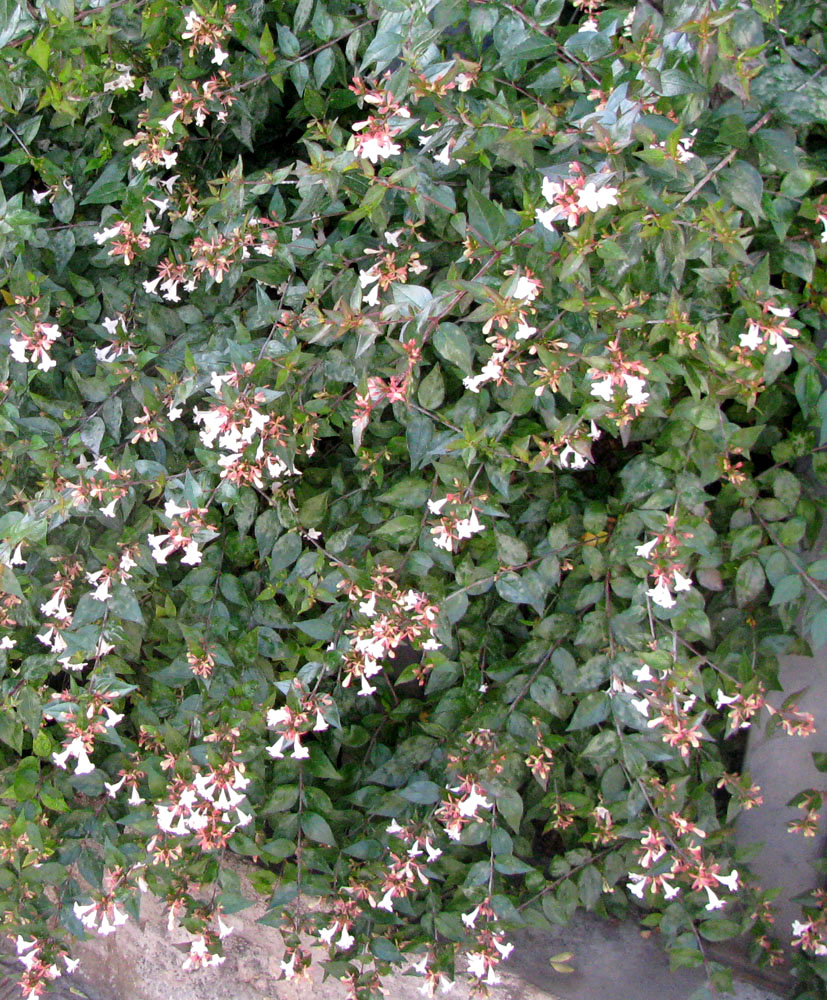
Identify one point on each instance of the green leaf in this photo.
(746, 540)
(590, 886)
(749, 582)
(317, 628)
(507, 864)
(39, 52)
(510, 551)
(323, 67)
(593, 709)
(421, 792)
(524, 588)
(316, 827)
(719, 929)
(365, 850)
(486, 217)
(124, 604)
(786, 590)
(744, 187)
(283, 798)
(385, 950)
(453, 345)
(431, 391)
(109, 187)
(544, 692)
(265, 46)
(285, 552)
(304, 9)
(288, 43)
(509, 804)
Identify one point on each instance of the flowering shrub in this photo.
(413, 427)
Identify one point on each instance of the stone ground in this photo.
(612, 961)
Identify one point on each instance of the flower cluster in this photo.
(82, 727)
(208, 31)
(458, 519)
(208, 806)
(764, 333)
(39, 968)
(374, 136)
(394, 617)
(663, 551)
(293, 721)
(573, 197)
(32, 338)
(622, 385)
(687, 864)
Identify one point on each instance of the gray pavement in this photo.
(613, 960)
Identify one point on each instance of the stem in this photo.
(559, 881)
(796, 562)
(546, 657)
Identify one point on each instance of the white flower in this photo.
(642, 705)
(643, 674)
(112, 717)
(603, 389)
(386, 902)
(592, 198)
(590, 25)
(524, 331)
(571, 459)
(661, 594)
(86, 914)
(107, 234)
(346, 939)
(375, 148)
(39, 196)
(368, 607)
(753, 338)
(645, 550)
(168, 123)
(504, 949)
(473, 801)
(715, 902)
(634, 388)
(469, 526)
(680, 582)
(113, 789)
(473, 382)
(526, 289)
(219, 56)
(476, 963)
(192, 554)
(548, 216)
(725, 699)
(55, 607)
(730, 881)
(288, 968)
(326, 933)
(470, 919)
(637, 885)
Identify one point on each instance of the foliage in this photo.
(413, 428)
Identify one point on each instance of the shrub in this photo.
(413, 434)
